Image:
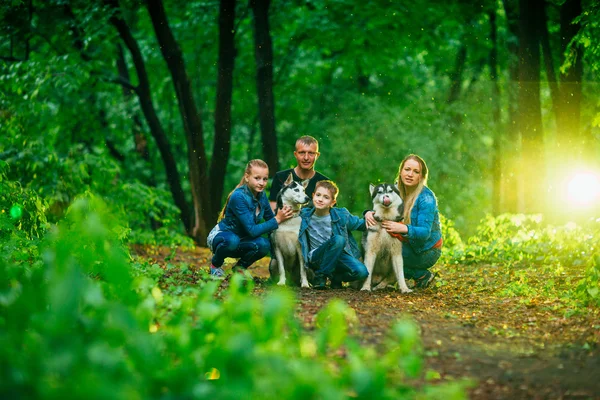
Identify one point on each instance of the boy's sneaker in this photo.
(335, 284)
(319, 283)
(217, 272)
(425, 281)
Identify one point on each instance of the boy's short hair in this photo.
(307, 140)
(330, 186)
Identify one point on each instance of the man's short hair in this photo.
(307, 140)
(330, 186)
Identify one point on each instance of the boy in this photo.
(327, 245)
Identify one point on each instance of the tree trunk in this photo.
(222, 143)
(263, 53)
(549, 63)
(568, 121)
(145, 98)
(512, 187)
(192, 123)
(497, 146)
(530, 115)
(456, 76)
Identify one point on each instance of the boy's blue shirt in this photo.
(240, 214)
(424, 230)
(342, 223)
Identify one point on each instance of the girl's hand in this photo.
(394, 227)
(284, 214)
(369, 219)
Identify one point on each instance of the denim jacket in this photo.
(240, 214)
(424, 229)
(342, 223)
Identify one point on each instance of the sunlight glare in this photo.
(583, 189)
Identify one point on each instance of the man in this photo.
(306, 153)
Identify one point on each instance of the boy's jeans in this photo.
(228, 244)
(330, 260)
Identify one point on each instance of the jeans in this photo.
(332, 261)
(416, 265)
(248, 250)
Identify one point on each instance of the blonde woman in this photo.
(420, 230)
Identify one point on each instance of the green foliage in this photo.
(589, 287)
(519, 245)
(20, 207)
(86, 322)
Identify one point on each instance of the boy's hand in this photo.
(369, 219)
(284, 214)
(394, 227)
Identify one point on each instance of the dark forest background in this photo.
(158, 105)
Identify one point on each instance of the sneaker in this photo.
(217, 272)
(335, 284)
(319, 283)
(425, 281)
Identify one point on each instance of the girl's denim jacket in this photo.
(241, 217)
(424, 230)
(342, 223)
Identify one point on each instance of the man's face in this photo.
(306, 155)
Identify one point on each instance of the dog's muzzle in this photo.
(386, 201)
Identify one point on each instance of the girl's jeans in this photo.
(248, 250)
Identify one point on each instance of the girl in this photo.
(238, 234)
(420, 230)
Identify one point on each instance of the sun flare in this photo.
(584, 189)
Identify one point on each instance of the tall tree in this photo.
(530, 113)
(568, 119)
(263, 53)
(144, 93)
(497, 145)
(222, 143)
(192, 123)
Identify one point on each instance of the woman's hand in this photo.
(284, 214)
(370, 219)
(394, 227)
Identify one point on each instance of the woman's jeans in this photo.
(332, 261)
(416, 265)
(248, 250)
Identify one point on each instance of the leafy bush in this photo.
(86, 323)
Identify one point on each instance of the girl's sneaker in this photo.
(216, 272)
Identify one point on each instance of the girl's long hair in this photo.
(410, 198)
(252, 163)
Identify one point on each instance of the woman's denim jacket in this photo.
(342, 223)
(424, 229)
(240, 214)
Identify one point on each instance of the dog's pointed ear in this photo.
(289, 179)
(371, 188)
(305, 183)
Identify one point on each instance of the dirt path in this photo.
(514, 349)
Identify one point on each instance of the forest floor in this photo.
(512, 347)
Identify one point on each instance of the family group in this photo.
(328, 247)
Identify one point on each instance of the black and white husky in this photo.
(284, 240)
(383, 252)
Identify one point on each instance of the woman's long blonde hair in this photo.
(410, 198)
(251, 164)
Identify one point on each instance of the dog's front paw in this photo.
(281, 282)
(406, 290)
(305, 285)
(366, 288)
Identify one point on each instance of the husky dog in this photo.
(383, 253)
(284, 240)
